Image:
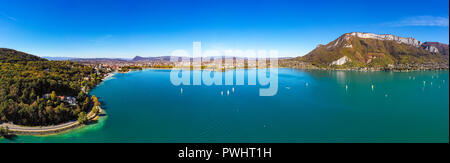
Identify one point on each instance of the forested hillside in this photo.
(34, 91)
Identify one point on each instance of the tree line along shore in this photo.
(38, 92)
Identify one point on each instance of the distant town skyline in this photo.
(124, 29)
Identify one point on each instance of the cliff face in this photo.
(385, 37)
(358, 49)
(436, 47)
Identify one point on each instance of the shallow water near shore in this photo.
(310, 106)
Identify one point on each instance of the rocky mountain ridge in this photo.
(369, 50)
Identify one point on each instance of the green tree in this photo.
(95, 110)
(80, 96)
(82, 118)
(32, 94)
(4, 131)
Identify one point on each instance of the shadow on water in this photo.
(91, 122)
(103, 103)
(11, 137)
(104, 107)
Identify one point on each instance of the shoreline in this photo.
(109, 75)
(50, 130)
(369, 70)
(54, 129)
(321, 69)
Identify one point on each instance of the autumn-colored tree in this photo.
(24, 78)
(53, 96)
(95, 100)
(95, 110)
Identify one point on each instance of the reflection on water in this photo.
(340, 77)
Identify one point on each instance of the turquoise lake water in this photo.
(310, 106)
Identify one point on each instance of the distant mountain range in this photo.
(58, 58)
(351, 50)
(81, 59)
(358, 49)
(167, 58)
(161, 58)
(135, 59)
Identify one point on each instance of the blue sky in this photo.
(126, 28)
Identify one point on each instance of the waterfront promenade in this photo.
(43, 130)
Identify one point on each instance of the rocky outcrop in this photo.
(436, 47)
(433, 47)
(341, 61)
(385, 37)
(370, 50)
